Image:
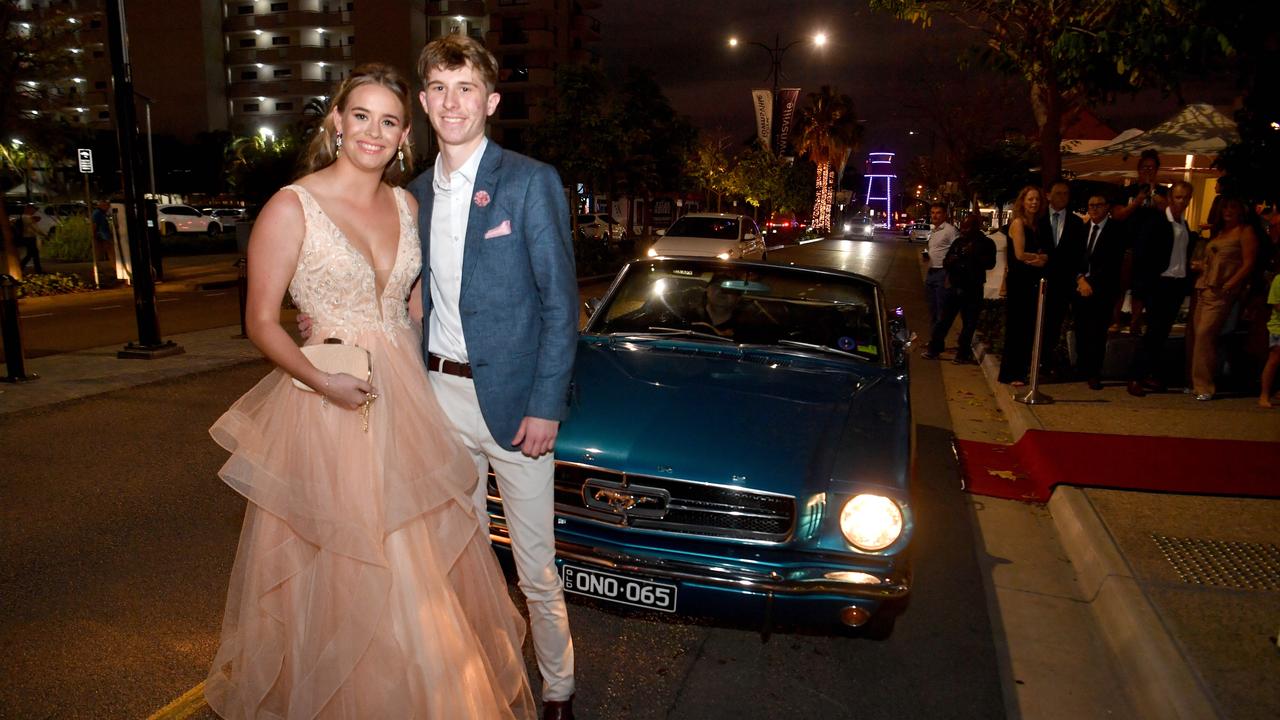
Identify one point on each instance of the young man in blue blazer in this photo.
(500, 297)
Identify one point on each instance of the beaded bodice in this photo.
(334, 283)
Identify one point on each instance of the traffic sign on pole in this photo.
(85, 155)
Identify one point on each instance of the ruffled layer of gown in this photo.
(364, 585)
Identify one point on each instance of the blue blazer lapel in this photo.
(478, 220)
(423, 190)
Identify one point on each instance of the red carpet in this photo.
(1029, 469)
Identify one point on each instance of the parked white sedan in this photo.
(719, 235)
(186, 219)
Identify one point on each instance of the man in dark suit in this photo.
(1161, 278)
(501, 325)
(1066, 232)
(1097, 284)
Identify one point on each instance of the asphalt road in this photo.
(117, 541)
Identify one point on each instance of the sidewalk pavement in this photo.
(1184, 590)
(193, 272)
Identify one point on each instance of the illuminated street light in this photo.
(776, 52)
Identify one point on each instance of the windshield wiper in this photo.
(659, 331)
(823, 348)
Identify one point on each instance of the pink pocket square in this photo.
(504, 228)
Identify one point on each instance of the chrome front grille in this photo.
(687, 507)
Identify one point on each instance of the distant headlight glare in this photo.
(652, 253)
(723, 256)
(871, 522)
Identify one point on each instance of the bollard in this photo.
(1033, 395)
(14, 363)
(242, 284)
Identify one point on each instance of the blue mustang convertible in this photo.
(739, 447)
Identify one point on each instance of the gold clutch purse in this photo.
(332, 356)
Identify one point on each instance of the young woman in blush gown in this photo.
(364, 585)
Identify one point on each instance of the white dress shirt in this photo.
(449, 213)
(940, 240)
(1178, 257)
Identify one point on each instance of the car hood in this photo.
(696, 246)
(774, 422)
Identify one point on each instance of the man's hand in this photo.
(1083, 287)
(536, 436)
(304, 326)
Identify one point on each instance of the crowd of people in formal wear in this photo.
(1134, 253)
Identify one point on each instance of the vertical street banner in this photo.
(784, 119)
(762, 104)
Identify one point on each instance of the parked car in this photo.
(186, 219)
(718, 235)
(227, 217)
(918, 231)
(602, 226)
(49, 215)
(739, 448)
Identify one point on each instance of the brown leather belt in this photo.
(435, 363)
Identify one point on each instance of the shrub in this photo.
(70, 242)
(50, 284)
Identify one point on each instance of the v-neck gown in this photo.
(364, 585)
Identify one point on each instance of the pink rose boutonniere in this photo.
(481, 198)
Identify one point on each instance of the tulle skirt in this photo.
(364, 585)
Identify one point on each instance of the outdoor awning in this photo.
(1188, 142)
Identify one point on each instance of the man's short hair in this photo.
(1149, 154)
(940, 206)
(1060, 181)
(1184, 185)
(454, 51)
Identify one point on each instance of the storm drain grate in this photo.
(1238, 565)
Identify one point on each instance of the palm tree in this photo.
(828, 131)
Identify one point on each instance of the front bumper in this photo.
(755, 592)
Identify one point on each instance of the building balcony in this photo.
(289, 54)
(465, 8)
(587, 28)
(278, 88)
(285, 20)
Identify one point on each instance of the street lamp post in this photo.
(777, 51)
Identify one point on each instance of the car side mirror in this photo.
(660, 233)
(901, 337)
(591, 306)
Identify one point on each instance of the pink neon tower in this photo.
(880, 179)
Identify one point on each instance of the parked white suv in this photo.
(601, 226)
(186, 219)
(720, 235)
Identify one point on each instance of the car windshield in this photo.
(784, 307)
(708, 227)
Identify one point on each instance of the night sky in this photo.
(897, 74)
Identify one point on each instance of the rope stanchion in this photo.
(1033, 396)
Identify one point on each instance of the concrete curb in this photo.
(1159, 680)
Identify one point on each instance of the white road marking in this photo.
(106, 307)
(36, 315)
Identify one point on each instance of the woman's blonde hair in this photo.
(323, 149)
(1020, 206)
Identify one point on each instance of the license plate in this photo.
(618, 588)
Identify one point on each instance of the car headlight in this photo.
(868, 229)
(847, 227)
(871, 522)
(724, 256)
(652, 252)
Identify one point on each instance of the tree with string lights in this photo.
(828, 132)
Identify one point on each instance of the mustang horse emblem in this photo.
(623, 501)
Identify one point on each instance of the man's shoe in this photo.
(929, 355)
(557, 709)
(1095, 384)
(1202, 397)
(1135, 389)
(1153, 386)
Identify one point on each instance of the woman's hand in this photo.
(346, 391)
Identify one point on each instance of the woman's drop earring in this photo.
(400, 156)
(338, 143)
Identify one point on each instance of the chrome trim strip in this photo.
(896, 586)
(668, 478)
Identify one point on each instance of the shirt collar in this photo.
(466, 173)
(1168, 212)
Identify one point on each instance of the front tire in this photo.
(214, 229)
(169, 228)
